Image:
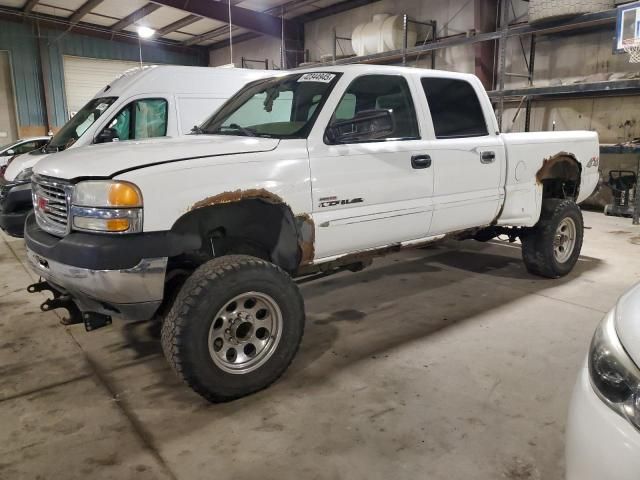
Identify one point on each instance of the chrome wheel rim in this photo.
(565, 240)
(245, 332)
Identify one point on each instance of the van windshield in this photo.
(280, 107)
(79, 123)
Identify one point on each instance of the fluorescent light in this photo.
(146, 32)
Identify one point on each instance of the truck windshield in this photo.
(79, 123)
(281, 107)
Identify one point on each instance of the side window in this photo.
(122, 124)
(146, 118)
(455, 108)
(380, 92)
(150, 118)
(25, 147)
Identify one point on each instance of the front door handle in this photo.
(421, 161)
(487, 157)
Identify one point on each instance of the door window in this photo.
(380, 92)
(146, 118)
(27, 147)
(455, 108)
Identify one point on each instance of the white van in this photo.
(152, 101)
(147, 102)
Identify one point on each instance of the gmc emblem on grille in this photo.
(42, 203)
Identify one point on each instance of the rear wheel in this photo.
(234, 328)
(551, 248)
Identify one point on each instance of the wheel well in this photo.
(560, 176)
(250, 226)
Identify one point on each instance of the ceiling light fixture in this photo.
(145, 32)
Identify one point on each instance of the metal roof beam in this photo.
(177, 25)
(84, 9)
(30, 6)
(216, 32)
(333, 9)
(135, 16)
(242, 17)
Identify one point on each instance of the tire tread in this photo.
(173, 339)
(537, 258)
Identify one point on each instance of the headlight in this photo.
(24, 175)
(105, 193)
(106, 206)
(614, 376)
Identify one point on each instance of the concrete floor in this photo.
(444, 363)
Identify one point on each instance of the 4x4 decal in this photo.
(333, 201)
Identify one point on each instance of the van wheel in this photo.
(551, 248)
(234, 328)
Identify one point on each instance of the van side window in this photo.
(380, 92)
(146, 118)
(455, 108)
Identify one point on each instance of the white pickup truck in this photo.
(299, 174)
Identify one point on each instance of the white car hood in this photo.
(26, 160)
(627, 321)
(108, 159)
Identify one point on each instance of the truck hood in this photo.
(109, 159)
(21, 162)
(627, 322)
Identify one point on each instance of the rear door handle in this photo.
(487, 157)
(421, 161)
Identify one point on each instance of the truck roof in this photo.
(181, 79)
(387, 69)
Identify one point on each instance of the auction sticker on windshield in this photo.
(323, 77)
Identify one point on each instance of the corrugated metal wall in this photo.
(22, 45)
(21, 40)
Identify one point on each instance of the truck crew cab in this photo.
(304, 172)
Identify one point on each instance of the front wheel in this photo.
(234, 328)
(551, 248)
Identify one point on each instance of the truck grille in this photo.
(51, 200)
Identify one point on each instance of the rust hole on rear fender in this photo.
(560, 165)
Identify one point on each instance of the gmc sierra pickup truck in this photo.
(303, 173)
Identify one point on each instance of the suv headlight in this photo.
(106, 206)
(614, 376)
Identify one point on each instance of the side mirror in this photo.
(107, 135)
(9, 152)
(367, 125)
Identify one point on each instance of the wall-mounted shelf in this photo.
(587, 89)
(588, 20)
(583, 22)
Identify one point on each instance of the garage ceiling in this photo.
(194, 22)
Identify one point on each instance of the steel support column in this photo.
(485, 17)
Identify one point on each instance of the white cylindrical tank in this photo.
(372, 34)
(392, 33)
(383, 33)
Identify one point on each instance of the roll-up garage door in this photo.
(84, 77)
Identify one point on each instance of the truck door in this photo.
(468, 156)
(370, 192)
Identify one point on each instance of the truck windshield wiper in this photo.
(234, 126)
(197, 130)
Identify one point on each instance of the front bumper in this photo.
(111, 275)
(600, 443)
(135, 293)
(15, 205)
